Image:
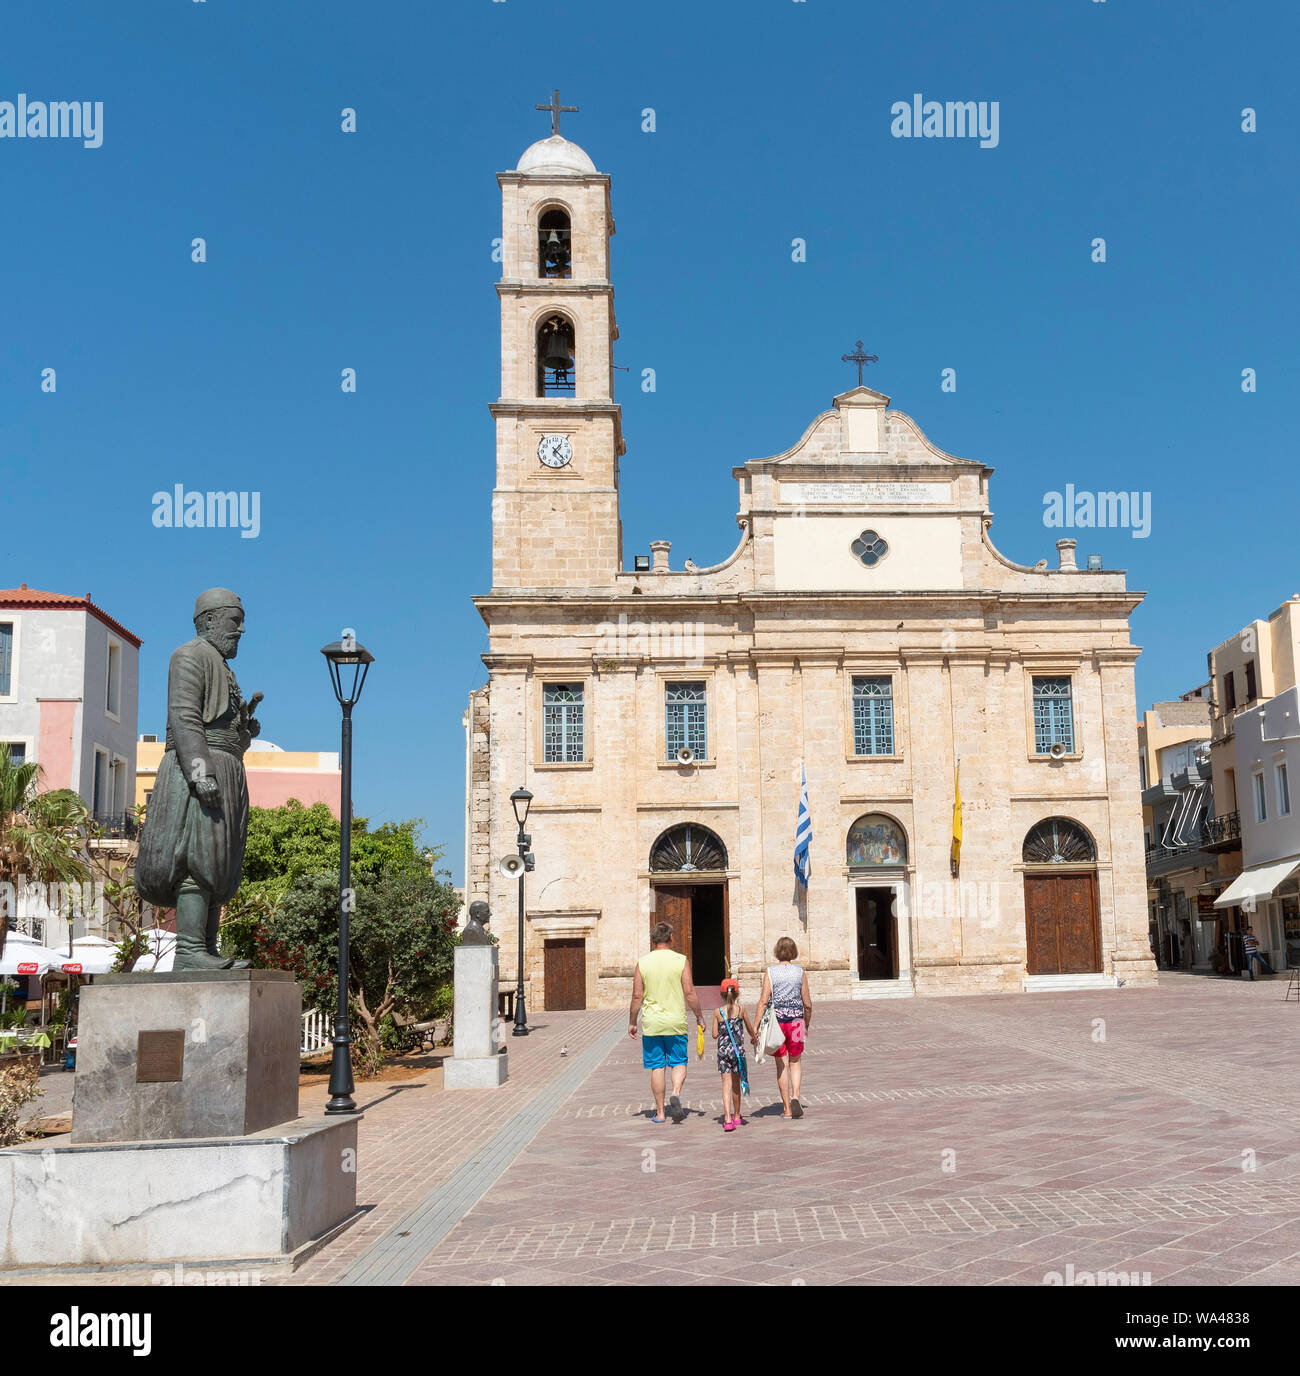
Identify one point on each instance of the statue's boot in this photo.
(212, 931)
(191, 932)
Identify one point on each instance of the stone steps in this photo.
(1054, 984)
(883, 989)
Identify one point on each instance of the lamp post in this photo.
(521, 800)
(343, 655)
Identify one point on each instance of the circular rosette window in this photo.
(869, 548)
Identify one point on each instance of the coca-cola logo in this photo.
(73, 967)
(27, 967)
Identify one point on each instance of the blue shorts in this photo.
(658, 1052)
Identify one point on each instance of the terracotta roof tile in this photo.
(34, 597)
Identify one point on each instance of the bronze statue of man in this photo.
(192, 845)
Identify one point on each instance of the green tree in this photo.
(41, 834)
(402, 935)
(288, 843)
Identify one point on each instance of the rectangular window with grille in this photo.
(17, 751)
(873, 716)
(6, 658)
(685, 721)
(1053, 714)
(562, 724)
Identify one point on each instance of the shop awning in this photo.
(1258, 883)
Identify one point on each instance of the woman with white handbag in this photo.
(784, 1017)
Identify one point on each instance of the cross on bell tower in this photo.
(857, 356)
(556, 110)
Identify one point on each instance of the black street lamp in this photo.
(521, 800)
(343, 655)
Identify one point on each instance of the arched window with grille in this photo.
(1058, 841)
(688, 847)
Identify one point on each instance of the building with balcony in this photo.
(1254, 737)
(1177, 800)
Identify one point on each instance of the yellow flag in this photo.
(956, 821)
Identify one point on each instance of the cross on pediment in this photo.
(858, 357)
(556, 110)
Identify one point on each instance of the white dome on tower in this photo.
(555, 154)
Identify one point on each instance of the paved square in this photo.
(961, 1141)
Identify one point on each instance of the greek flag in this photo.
(802, 832)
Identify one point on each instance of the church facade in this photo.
(864, 635)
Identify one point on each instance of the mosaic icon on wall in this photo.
(876, 840)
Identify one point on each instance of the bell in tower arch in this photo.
(555, 362)
(553, 244)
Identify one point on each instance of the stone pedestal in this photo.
(478, 1063)
(198, 1053)
(186, 1144)
(268, 1199)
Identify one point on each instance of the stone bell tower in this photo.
(555, 521)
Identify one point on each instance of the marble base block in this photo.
(477, 1062)
(261, 1197)
(197, 1053)
(474, 1072)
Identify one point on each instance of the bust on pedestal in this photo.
(478, 1062)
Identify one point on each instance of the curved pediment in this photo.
(860, 430)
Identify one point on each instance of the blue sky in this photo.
(373, 251)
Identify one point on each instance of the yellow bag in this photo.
(699, 1043)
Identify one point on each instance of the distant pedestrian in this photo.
(785, 986)
(1251, 942)
(661, 991)
(730, 1023)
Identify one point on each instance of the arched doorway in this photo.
(688, 878)
(1062, 920)
(876, 854)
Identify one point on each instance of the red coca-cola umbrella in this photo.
(23, 956)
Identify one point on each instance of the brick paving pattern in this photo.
(961, 1141)
(969, 1141)
(415, 1134)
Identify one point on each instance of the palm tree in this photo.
(42, 835)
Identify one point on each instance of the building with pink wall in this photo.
(274, 775)
(69, 688)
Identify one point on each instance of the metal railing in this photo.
(316, 1035)
(1221, 831)
(118, 824)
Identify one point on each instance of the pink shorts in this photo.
(794, 1037)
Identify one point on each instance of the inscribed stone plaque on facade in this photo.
(868, 494)
(159, 1057)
